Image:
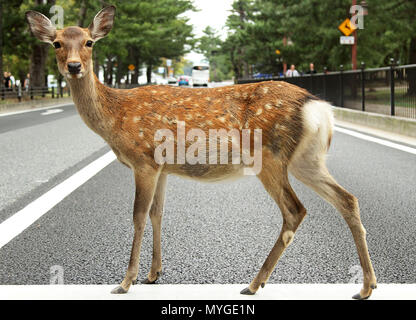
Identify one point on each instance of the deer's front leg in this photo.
(156, 212)
(146, 181)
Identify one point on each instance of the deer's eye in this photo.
(57, 45)
(89, 43)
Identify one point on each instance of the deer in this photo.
(297, 128)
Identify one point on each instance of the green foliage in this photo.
(211, 46)
(310, 27)
(144, 32)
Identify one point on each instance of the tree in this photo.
(211, 46)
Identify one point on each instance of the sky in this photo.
(212, 13)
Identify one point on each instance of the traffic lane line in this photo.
(17, 223)
(384, 291)
(376, 140)
(29, 119)
(35, 109)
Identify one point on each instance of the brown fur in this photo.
(128, 120)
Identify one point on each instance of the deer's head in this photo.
(73, 45)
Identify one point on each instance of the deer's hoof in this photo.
(247, 292)
(147, 281)
(359, 297)
(119, 290)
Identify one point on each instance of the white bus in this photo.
(200, 75)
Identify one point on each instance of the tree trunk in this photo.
(136, 73)
(149, 74)
(109, 78)
(119, 71)
(38, 64)
(411, 73)
(38, 57)
(82, 13)
(96, 64)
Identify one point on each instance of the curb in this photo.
(33, 104)
(399, 125)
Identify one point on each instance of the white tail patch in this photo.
(318, 119)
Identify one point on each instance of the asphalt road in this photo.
(212, 233)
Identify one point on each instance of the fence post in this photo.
(392, 87)
(363, 85)
(311, 83)
(325, 72)
(19, 92)
(2, 93)
(31, 92)
(341, 74)
(53, 92)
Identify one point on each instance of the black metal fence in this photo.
(390, 90)
(19, 93)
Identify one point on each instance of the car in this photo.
(183, 80)
(172, 80)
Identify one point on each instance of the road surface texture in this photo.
(212, 233)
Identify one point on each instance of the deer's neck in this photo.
(90, 97)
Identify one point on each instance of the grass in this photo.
(382, 97)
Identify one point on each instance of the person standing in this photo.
(12, 81)
(26, 84)
(7, 81)
(311, 69)
(292, 72)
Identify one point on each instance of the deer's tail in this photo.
(318, 127)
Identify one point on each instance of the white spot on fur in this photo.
(268, 106)
(287, 237)
(259, 112)
(265, 89)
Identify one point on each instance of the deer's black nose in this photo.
(74, 67)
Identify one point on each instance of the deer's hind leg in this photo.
(156, 212)
(275, 180)
(309, 167)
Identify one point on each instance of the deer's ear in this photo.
(41, 27)
(102, 23)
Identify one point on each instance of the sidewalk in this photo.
(33, 104)
(377, 133)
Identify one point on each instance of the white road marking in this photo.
(35, 109)
(377, 140)
(51, 111)
(205, 292)
(17, 223)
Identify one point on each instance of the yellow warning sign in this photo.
(347, 27)
(132, 67)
